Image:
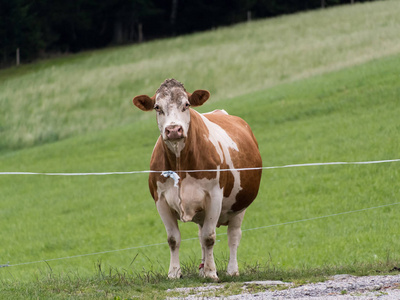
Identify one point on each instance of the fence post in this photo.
(17, 57)
(140, 32)
(248, 15)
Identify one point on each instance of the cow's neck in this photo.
(173, 155)
(175, 148)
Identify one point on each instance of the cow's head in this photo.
(171, 103)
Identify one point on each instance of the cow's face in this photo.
(173, 116)
(171, 103)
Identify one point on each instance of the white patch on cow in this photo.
(196, 195)
(192, 197)
(216, 111)
(170, 193)
(223, 143)
(221, 140)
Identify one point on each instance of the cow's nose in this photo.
(174, 132)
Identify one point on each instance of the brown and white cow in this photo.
(193, 141)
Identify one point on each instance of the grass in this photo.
(338, 120)
(114, 283)
(316, 114)
(52, 100)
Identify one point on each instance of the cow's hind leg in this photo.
(234, 236)
(201, 267)
(173, 235)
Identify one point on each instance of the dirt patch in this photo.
(336, 287)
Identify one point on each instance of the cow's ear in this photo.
(144, 102)
(198, 97)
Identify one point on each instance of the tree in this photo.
(43, 26)
(18, 29)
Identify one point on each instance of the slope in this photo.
(346, 115)
(89, 92)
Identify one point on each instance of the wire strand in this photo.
(212, 170)
(207, 170)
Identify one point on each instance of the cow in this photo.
(201, 154)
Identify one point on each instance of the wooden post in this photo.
(140, 32)
(174, 12)
(17, 57)
(248, 16)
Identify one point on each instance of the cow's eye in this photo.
(157, 108)
(186, 106)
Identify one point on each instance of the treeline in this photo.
(42, 27)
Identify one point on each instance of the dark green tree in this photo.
(38, 27)
(19, 28)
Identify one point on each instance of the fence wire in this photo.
(207, 170)
(191, 171)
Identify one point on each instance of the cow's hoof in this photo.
(175, 277)
(212, 276)
(175, 274)
(235, 274)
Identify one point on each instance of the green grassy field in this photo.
(92, 91)
(311, 92)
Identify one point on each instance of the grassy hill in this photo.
(92, 91)
(315, 87)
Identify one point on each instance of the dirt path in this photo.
(337, 287)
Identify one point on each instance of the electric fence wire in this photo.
(191, 171)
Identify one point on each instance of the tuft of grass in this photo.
(112, 283)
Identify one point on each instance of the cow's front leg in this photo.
(173, 237)
(207, 236)
(234, 236)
